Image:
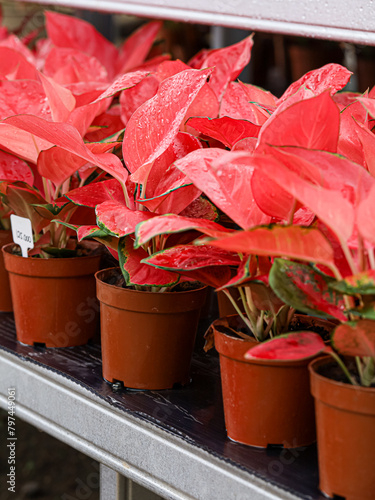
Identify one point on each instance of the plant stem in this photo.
(343, 367)
(371, 257)
(239, 312)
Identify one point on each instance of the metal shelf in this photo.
(171, 442)
(343, 20)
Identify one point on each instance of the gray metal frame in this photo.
(344, 20)
(160, 462)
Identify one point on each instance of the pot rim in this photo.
(7, 249)
(258, 361)
(324, 360)
(103, 271)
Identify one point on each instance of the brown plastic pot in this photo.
(266, 402)
(54, 300)
(147, 338)
(345, 418)
(5, 296)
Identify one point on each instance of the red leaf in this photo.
(298, 345)
(307, 244)
(123, 82)
(61, 100)
(14, 169)
(228, 63)
(205, 104)
(331, 76)
(295, 126)
(95, 193)
(355, 339)
(135, 48)
(132, 98)
(225, 181)
(67, 137)
(21, 142)
(170, 224)
(226, 130)
(327, 204)
(117, 219)
(154, 125)
(138, 273)
(14, 66)
(68, 66)
(191, 257)
(23, 96)
(365, 217)
(247, 102)
(70, 32)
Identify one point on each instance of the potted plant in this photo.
(339, 254)
(57, 101)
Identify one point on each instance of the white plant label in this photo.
(22, 233)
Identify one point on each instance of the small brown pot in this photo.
(5, 296)
(53, 299)
(266, 402)
(147, 338)
(345, 418)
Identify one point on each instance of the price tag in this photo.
(22, 233)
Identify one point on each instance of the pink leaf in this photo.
(331, 76)
(61, 100)
(138, 273)
(126, 81)
(14, 169)
(23, 96)
(95, 193)
(135, 49)
(70, 32)
(67, 66)
(67, 137)
(247, 102)
(154, 125)
(170, 224)
(191, 257)
(21, 142)
(225, 182)
(295, 127)
(226, 130)
(298, 345)
(132, 98)
(327, 204)
(307, 244)
(14, 66)
(355, 339)
(117, 219)
(228, 63)
(365, 217)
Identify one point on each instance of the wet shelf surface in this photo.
(193, 413)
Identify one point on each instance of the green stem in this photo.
(343, 367)
(359, 367)
(239, 312)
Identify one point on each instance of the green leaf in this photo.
(305, 289)
(362, 284)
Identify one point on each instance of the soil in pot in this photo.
(147, 337)
(54, 299)
(345, 418)
(266, 402)
(5, 296)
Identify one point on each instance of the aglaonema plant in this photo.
(229, 185)
(327, 268)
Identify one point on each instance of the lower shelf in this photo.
(172, 442)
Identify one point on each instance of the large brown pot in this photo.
(147, 338)
(266, 402)
(53, 299)
(345, 418)
(5, 296)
